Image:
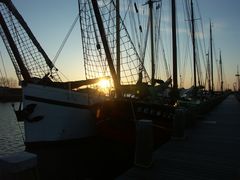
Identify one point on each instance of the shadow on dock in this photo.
(95, 158)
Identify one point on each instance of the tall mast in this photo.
(221, 73)
(18, 16)
(118, 40)
(194, 44)
(25, 74)
(208, 72)
(106, 46)
(150, 2)
(174, 45)
(211, 54)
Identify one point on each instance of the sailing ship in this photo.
(109, 49)
(197, 99)
(52, 110)
(59, 108)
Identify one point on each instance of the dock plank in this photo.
(210, 151)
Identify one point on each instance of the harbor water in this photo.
(96, 158)
(11, 131)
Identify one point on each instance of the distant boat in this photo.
(237, 89)
(197, 99)
(52, 110)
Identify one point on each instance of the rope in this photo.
(65, 39)
(31, 54)
(94, 55)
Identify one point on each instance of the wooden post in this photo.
(144, 143)
(179, 124)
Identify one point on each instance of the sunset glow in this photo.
(104, 84)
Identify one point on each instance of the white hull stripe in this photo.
(60, 103)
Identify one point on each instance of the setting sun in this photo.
(104, 84)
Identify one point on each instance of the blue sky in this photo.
(50, 20)
(225, 17)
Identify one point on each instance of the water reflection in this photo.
(11, 131)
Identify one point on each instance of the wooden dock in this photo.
(211, 150)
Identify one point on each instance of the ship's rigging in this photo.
(29, 59)
(96, 60)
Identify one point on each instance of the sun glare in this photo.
(104, 84)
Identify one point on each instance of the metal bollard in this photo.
(179, 124)
(144, 143)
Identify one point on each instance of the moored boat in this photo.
(52, 110)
